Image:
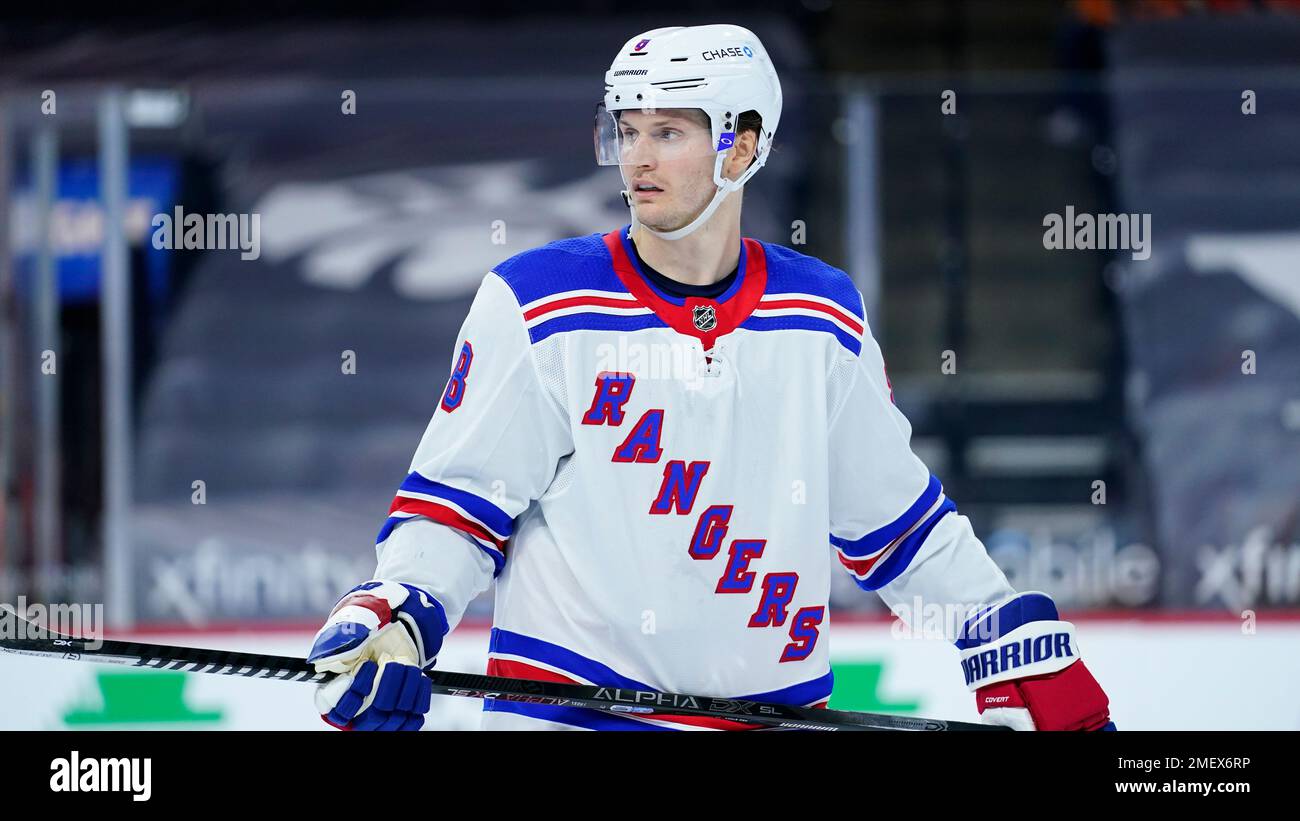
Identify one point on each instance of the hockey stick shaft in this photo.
(616, 700)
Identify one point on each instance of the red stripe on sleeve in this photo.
(446, 516)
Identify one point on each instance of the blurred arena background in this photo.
(182, 439)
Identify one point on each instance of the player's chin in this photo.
(652, 215)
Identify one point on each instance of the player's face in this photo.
(669, 167)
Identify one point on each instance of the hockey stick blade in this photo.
(25, 638)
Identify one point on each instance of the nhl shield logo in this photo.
(705, 317)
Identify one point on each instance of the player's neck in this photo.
(703, 257)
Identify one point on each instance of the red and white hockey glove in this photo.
(1022, 662)
(379, 639)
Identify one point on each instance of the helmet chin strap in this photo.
(725, 187)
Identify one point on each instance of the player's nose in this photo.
(640, 156)
(643, 160)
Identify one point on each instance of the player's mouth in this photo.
(646, 191)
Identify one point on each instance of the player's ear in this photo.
(741, 155)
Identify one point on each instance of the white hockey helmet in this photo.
(721, 69)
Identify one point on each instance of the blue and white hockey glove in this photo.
(1022, 662)
(379, 639)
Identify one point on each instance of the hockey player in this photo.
(661, 441)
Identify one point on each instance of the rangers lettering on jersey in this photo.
(644, 533)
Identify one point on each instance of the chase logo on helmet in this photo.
(730, 51)
(641, 44)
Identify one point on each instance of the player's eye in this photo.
(669, 134)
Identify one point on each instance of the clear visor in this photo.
(637, 136)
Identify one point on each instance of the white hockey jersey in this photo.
(663, 486)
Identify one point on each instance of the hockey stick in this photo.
(608, 699)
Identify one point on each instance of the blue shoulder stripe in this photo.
(578, 263)
(805, 323)
(593, 322)
(789, 272)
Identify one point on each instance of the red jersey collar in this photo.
(703, 318)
